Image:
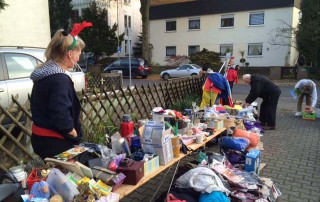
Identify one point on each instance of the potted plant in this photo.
(242, 60)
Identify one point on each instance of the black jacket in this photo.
(261, 87)
(55, 105)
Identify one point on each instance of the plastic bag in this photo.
(234, 143)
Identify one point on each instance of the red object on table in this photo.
(35, 176)
(133, 172)
(127, 127)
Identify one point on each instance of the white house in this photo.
(125, 13)
(20, 25)
(242, 25)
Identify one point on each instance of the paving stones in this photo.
(291, 152)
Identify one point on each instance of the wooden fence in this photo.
(106, 107)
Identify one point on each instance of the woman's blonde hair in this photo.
(60, 44)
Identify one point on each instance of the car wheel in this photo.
(166, 76)
(194, 74)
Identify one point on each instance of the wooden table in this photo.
(125, 189)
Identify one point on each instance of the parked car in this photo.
(138, 67)
(182, 71)
(16, 65)
(86, 60)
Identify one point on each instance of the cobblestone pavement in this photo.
(291, 153)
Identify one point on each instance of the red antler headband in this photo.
(77, 28)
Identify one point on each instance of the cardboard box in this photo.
(134, 172)
(151, 165)
(157, 140)
(218, 124)
(307, 114)
(253, 161)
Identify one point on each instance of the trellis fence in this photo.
(106, 107)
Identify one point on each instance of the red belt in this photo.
(45, 132)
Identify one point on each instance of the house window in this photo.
(227, 20)
(171, 25)
(127, 48)
(194, 24)
(170, 51)
(127, 21)
(225, 48)
(127, 2)
(256, 19)
(255, 49)
(193, 49)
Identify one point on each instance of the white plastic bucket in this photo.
(199, 138)
(158, 118)
(21, 176)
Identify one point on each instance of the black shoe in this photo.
(268, 127)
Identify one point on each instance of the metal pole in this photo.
(118, 30)
(129, 51)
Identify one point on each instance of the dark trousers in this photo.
(231, 85)
(268, 109)
(300, 101)
(49, 146)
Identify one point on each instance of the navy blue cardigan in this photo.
(55, 105)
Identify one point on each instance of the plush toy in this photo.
(45, 173)
(56, 198)
(41, 190)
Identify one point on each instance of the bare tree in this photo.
(2, 5)
(284, 35)
(146, 48)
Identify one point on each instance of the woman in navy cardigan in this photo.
(55, 106)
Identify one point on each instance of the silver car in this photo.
(182, 71)
(16, 65)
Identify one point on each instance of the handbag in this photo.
(10, 189)
(184, 148)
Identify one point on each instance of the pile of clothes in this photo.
(217, 180)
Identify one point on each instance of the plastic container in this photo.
(158, 118)
(20, 174)
(199, 138)
(60, 184)
(175, 141)
(294, 94)
(34, 177)
(127, 127)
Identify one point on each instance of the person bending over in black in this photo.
(269, 92)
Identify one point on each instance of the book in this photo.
(71, 153)
(73, 166)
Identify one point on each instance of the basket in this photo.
(34, 177)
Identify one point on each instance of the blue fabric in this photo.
(36, 190)
(222, 84)
(234, 143)
(215, 196)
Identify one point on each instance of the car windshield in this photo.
(76, 68)
(141, 62)
(197, 66)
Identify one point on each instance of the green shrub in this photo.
(206, 58)
(186, 103)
